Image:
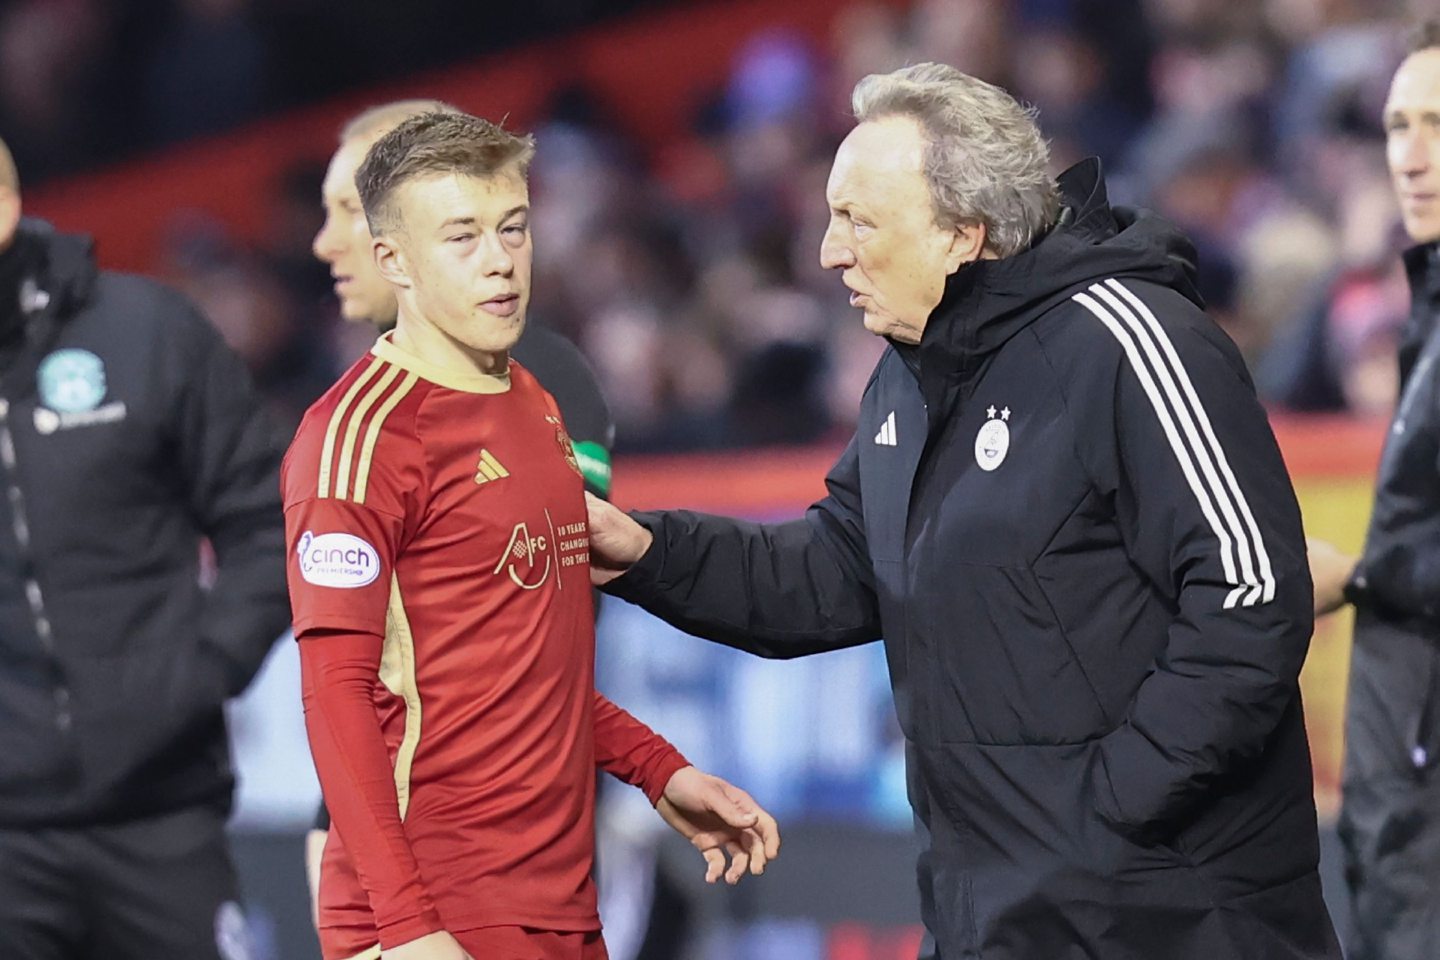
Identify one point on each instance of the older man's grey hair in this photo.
(984, 159)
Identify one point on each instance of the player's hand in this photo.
(616, 540)
(719, 818)
(433, 946)
(1330, 569)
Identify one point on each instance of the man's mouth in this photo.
(505, 305)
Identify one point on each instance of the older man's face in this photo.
(882, 232)
(1412, 136)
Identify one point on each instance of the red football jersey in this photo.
(445, 513)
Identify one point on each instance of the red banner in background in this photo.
(650, 73)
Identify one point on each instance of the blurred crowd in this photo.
(688, 271)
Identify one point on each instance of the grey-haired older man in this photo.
(1066, 514)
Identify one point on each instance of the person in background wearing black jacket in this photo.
(365, 296)
(129, 434)
(1066, 514)
(1390, 810)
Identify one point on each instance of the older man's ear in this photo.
(967, 244)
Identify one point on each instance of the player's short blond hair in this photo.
(437, 142)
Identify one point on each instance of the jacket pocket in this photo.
(1006, 672)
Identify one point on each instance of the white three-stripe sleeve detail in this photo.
(1167, 424)
(1170, 380)
(1267, 573)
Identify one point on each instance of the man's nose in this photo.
(1414, 154)
(835, 255)
(496, 258)
(323, 246)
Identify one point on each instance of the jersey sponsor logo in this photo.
(489, 468)
(71, 381)
(523, 554)
(993, 440)
(337, 560)
(529, 557)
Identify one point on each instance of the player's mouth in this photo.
(342, 281)
(505, 305)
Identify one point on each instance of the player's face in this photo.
(344, 242)
(1412, 138)
(882, 232)
(463, 254)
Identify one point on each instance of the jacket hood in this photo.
(987, 302)
(58, 279)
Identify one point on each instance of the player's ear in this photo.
(390, 261)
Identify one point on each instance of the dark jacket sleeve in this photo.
(776, 590)
(228, 454)
(1402, 575)
(1399, 573)
(1208, 514)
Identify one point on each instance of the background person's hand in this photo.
(719, 818)
(1330, 569)
(616, 541)
(433, 946)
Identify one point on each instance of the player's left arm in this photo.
(719, 818)
(715, 816)
(228, 454)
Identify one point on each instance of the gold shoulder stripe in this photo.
(372, 953)
(327, 454)
(367, 449)
(352, 428)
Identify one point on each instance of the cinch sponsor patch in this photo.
(337, 560)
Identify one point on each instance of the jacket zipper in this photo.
(33, 593)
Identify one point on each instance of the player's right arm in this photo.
(349, 499)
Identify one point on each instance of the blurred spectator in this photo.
(208, 71)
(129, 435)
(248, 303)
(52, 103)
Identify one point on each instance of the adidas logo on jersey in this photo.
(489, 468)
(886, 436)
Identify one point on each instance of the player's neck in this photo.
(426, 342)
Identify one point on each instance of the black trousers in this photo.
(161, 888)
(1390, 817)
